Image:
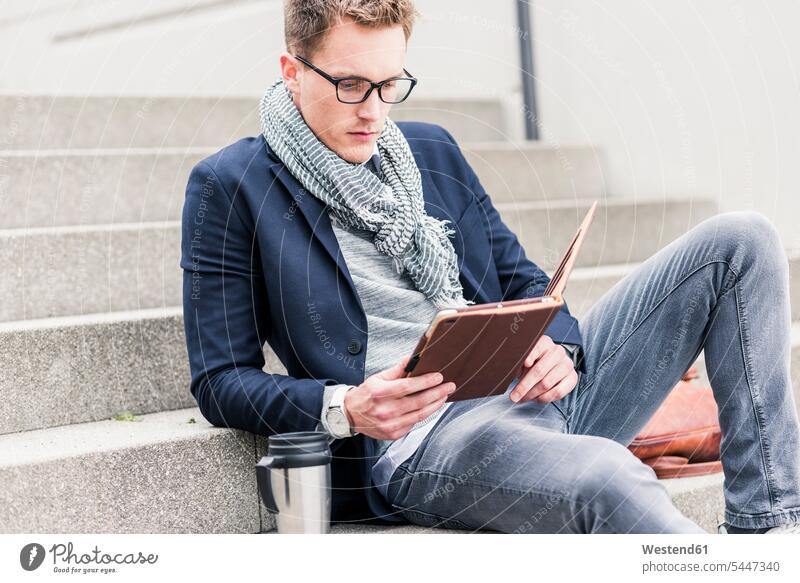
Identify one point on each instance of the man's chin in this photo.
(357, 154)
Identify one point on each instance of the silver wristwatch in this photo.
(335, 417)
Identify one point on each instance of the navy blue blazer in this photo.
(262, 264)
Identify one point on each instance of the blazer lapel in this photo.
(314, 210)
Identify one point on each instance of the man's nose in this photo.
(371, 107)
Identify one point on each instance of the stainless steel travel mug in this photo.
(294, 480)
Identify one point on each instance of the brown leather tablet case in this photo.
(482, 353)
(482, 348)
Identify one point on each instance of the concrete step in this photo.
(623, 231)
(77, 187)
(162, 473)
(173, 472)
(91, 367)
(84, 187)
(57, 271)
(527, 171)
(52, 122)
(87, 368)
(700, 499)
(468, 120)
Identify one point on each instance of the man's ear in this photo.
(290, 73)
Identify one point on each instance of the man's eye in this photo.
(351, 85)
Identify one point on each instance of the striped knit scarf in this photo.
(392, 208)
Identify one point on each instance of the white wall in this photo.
(227, 48)
(685, 98)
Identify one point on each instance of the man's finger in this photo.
(538, 349)
(561, 370)
(396, 371)
(540, 369)
(397, 388)
(559, 391)
(415, 416)
(416, 401)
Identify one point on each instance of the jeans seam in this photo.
(616, 349)
(558, 408)
(763, 520)
(527, 493)
(485, 485)
(444, 520)
(544, 493)
(600, 520)
(790, 512)
(755, 400)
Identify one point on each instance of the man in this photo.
(335, 236)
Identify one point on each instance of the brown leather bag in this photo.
(683, 436)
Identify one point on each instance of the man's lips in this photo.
(363, 137)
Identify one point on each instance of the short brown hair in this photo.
(307, 21)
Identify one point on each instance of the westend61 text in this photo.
(675, 550)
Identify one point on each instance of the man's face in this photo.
(348, 49)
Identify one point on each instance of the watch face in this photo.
(338, 422)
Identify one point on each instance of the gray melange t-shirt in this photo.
(397, 312)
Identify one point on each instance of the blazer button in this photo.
(354, 347)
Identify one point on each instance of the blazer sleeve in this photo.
(226, 320)
(519, 276)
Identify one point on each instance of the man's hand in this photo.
(386, 406)
(552, 374)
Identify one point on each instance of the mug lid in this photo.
(299, 449)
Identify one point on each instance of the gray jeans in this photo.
(723, 287)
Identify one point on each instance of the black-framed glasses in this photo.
(358, 89)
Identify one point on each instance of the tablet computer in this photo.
(482, 348)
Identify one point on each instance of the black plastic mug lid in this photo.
(298, 449)
(298, 443)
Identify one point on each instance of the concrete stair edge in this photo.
(127, 185)
(76, 121)
(91, 367)
(157, 475)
